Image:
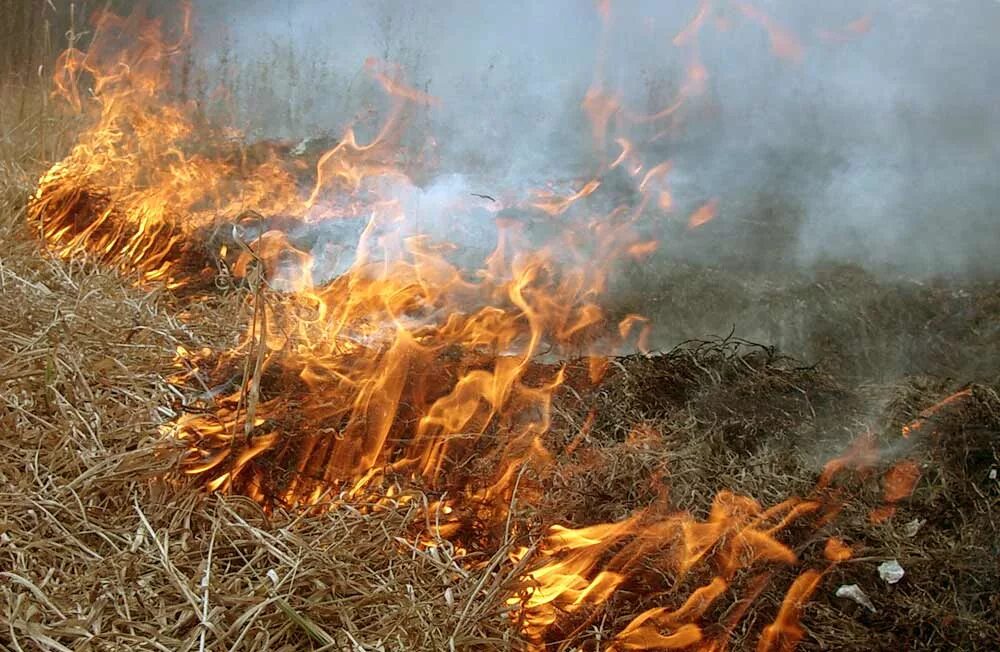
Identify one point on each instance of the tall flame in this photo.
(410, 367)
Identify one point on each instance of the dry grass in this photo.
(97, 550)
(97, 554)
(102, 548)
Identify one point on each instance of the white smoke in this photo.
(885, 145)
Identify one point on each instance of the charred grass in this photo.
(102, 548)
(724, 415)
(100, 552)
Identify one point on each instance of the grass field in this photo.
(105, 546)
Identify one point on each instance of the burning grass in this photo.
(698, 408)
(419, 454)
(99, 553)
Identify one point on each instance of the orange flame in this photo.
(920, 422)
(784, 44)
(897, 484)
(690, 32)
(705, 214)
(411, 367)
(583, 567)
(785, 632)
(848, 32)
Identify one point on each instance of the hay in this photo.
(98, 551)
(98, 554)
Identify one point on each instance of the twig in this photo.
(205, 582)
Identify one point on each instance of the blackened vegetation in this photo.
(670, 431)
(80, 212)
(856, 323)
(84, 220)
(667, 432)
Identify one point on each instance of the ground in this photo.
(103, 547)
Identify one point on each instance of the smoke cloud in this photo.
(851, 131)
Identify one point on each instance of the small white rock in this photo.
(910, 529)
(854, 592)
(273, 576)
(890, 571)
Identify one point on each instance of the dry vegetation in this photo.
(98, 554)
(103, 548)
(727, 415)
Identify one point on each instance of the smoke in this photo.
(444, 210)
(856, 131)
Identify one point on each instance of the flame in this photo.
(897, 484)
(627, 325)
(837, 550)
(554, 204)
(690, 32)
(411, 368)
(848, 32)
(583, 567)
(705, 214)
(861, 455)
(785, 631)
(135, 189)
(900, 480)
(922, 419)
(784, 44)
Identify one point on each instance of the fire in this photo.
(584, 567)
(898, 483)
(411, 368)
(690, 32)
(785, 632)
(922, 419)
(135, 190)
(705, 214)
(406, 365)
(784, 44)
(848, 32)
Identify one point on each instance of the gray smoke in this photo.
(881, 149)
